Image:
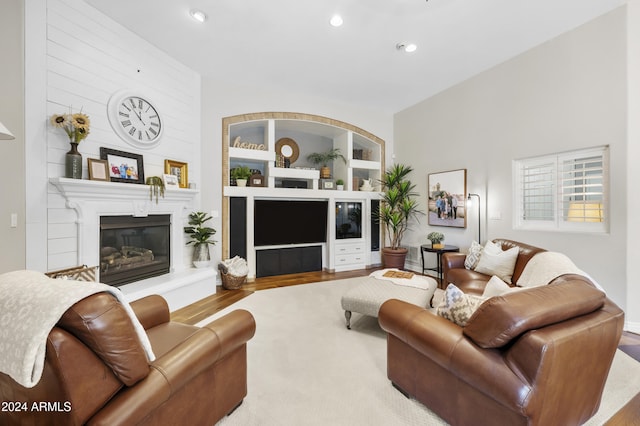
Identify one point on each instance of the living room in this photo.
(479, 125)
(578, 90)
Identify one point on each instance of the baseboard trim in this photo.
(633, 327)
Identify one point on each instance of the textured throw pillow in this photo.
(458, 307)
(498, 262)
(473, 256)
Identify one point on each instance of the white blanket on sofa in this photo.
(544, 267)
(30, 306)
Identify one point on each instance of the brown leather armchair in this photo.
(96, 371)
(473, 282)
(539, 356)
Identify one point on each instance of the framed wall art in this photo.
(98, 169)
(124, 167)
(448, 198)
(178, 169)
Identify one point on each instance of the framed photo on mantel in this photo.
(124, 167)
(448, 198)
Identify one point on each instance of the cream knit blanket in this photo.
(544, 267)
(30, 306)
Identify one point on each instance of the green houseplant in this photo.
(200, 238)
(398, 207)
(339, 184)
(323, 158)
(241, 174)
(436, 239)
(156, 187)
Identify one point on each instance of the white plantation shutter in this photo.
(566, 191)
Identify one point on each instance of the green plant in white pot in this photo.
(200, 238)
(241, 174)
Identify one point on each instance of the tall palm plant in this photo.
(398, 203)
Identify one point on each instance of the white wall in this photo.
(12, 249)
(565, 94)
(223, 99)
(77, 57)
(633, 171)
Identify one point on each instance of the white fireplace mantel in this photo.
(93, 199)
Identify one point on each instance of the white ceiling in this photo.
(290, 44)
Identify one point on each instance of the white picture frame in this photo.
(170, 181)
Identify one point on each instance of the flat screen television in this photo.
(278, 222)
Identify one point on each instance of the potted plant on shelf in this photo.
(156, 187)
(397, 208)
(339, 184)
(323, 158)
(241, 174)
(436, 239)
(200, 238)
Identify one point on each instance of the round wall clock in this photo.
(135, 119)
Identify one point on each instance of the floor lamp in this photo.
(469, 198)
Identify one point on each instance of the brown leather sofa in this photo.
(96, 371)
(473, 282)
(539, 356)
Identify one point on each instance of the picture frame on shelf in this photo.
(170, 181)
(98, 169)
(256, 179)
(125, 167)
(447, 198)
(178, 169)
(328, 184)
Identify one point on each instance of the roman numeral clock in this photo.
(135, 119)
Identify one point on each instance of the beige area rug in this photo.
(306, 368)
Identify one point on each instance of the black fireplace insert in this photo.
(134, 248)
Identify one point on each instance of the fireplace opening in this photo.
(134, 248)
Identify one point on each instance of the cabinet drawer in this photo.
(349, 259)
(349, 248)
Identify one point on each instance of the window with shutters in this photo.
(566, 191)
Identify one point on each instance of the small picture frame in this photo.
(170, 181)
(98, 169)
(328, 184)
(178, 169)
(256, 179)
(125, 167)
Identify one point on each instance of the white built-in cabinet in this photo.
(253, 140)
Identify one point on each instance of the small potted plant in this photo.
(241, 174)
(339, 184)
(323, 158)
(436, 239)
(156, 187)
(200, 238)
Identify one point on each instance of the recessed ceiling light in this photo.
(407, 47)
(198, 15)
(336, 20)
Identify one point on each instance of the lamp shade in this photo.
(5, 134)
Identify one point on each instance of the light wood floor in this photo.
(629, 415)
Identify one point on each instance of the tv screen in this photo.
(279, 222)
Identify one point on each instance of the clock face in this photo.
(135, 119)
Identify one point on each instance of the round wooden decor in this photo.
(288, 148)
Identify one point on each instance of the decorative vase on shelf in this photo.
(73, 163)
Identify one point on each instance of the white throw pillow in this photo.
(498, 262)
(458, 307)
(497, 287)
(473, 256)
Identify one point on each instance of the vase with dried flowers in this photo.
(77, 128)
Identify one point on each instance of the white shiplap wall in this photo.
(88, 58)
